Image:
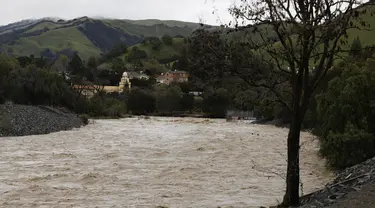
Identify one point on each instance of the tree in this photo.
(92, 62)
(136, 54)
(76, 66)
(168, 98)
(347, 111)
(168, 40)
(116, 51)
(141, 102)
(61, 64)
(155, 42)
(356, 48)
(309, 35)
(118, 65)
(7, 64)
(216, 103)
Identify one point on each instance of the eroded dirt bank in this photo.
(175, 162)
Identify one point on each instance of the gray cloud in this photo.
(185, 10)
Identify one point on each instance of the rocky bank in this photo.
(353, 187)
(21, 120)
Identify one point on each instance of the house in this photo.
(173, 77)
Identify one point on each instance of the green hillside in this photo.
(170, 23)
(148, 30)
(165, 52)
(89, 37)
(56, 40)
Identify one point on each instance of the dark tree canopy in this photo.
(168, 40)
(76, 66)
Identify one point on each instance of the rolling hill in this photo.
(157, 59)
(87, 36)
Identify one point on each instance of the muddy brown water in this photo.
(174, 162)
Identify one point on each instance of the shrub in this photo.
(216, 103)
(347, 149)
(347, 116)
(141, 102)
(114, 108)
(168, 98)
(103, 105)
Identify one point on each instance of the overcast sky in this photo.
(185, 10)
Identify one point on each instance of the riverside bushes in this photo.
(103, 105)
(347, 113)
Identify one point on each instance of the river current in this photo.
(173, 162)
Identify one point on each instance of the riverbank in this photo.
(352, 187)
(22, 120)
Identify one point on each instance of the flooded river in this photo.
(173, 162)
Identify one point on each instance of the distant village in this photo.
(173, 76)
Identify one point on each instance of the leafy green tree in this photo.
(347, 111)
(25, 60)
(76, 66)
(309, 34)
(116, 51)
(155, 42)
(141, 102)
(168, 40)
(103, 105)
(187, 102)
(216, 103)
(143, 83)
(118, 65)
(7, 64)
(92, 62)
(37, 86)
(168, 98)
(136, 54)
(61, 64)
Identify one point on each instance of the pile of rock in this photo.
(349, 180)
(21, 120)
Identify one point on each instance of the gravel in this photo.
(353, 187)
(21, 120)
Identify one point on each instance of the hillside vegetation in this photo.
(159, 59)
(89, 37)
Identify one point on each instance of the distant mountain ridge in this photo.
(87, 36)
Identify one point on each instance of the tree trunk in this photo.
(291, 197)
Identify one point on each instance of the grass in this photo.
(43, 25)
(170, 23)
(57, 40)
(148, 30)
(164, 52)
